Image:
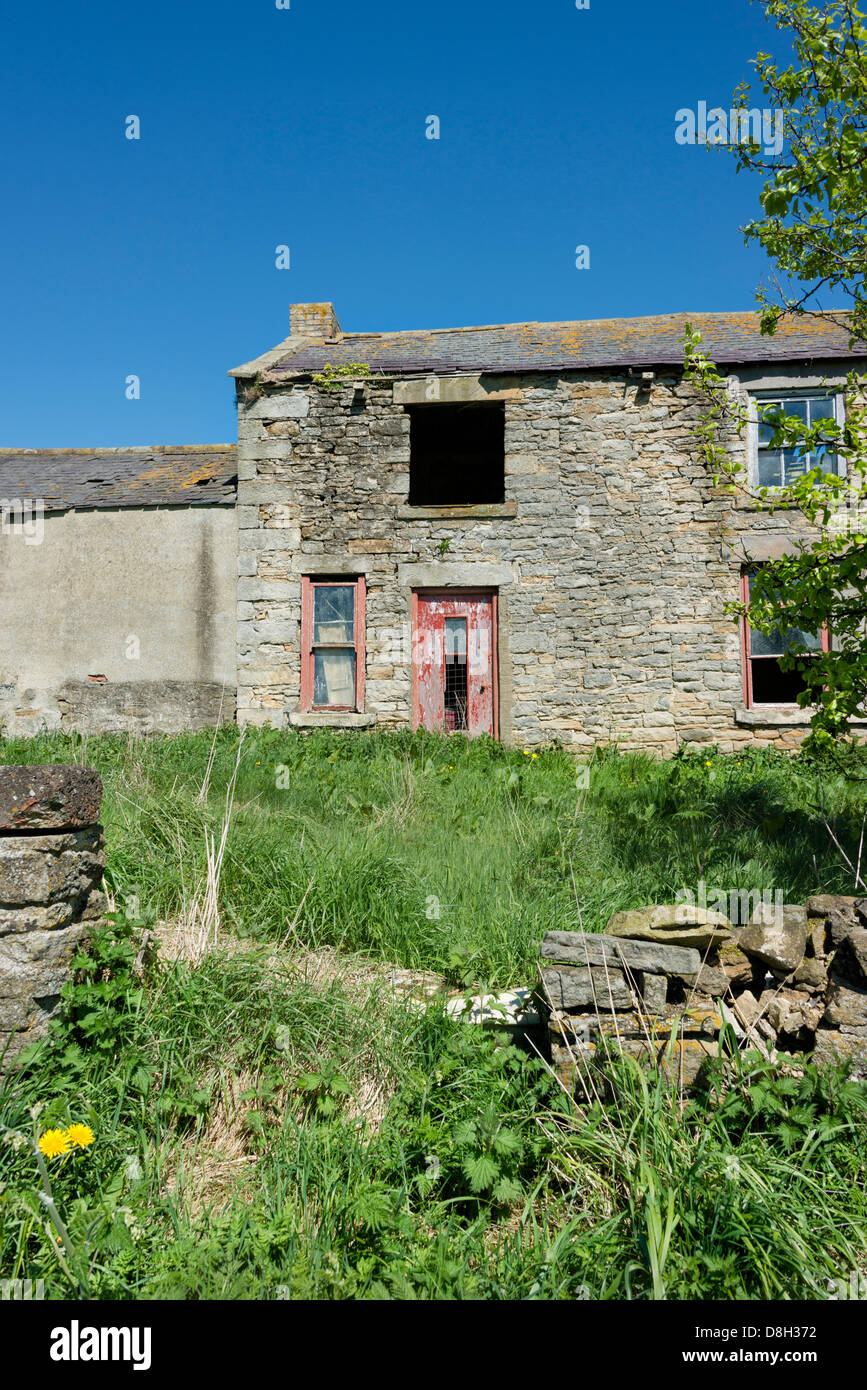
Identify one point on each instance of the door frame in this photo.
(456, 592)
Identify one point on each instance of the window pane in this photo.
(334, 613)
(781, 639)
(334, 677)
(795, 465)
(770, 468)
(456, 638)
(821, 408)
(777, 468)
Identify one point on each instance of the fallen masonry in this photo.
(661, 982)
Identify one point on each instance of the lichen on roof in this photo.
(653, 341)
(160, 476)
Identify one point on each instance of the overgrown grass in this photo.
(444, 854)
(261, 1135)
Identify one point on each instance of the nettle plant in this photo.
(813, 227)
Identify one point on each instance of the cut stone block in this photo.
(593, 948)
(54, 797)
(653, 990)
(571, 987)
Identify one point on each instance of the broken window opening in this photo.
(767, 683)
(457, 454)
(455, 697)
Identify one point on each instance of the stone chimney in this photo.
(317, 321)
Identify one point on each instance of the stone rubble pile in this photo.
(52, 858)
(792, 981)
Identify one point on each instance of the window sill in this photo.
(458, 512)
(330, 719)
(779, 716)
(772, 716)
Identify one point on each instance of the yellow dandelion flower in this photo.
(534, 755)
(526, 752)
(80, 1135)
(53, 1143)
(707, 764)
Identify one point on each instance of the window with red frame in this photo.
(332, 644)
(764, 682)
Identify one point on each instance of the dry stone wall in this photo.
(52, 859)
(661, 981)
(612, 570)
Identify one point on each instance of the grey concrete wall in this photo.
(613, 554)
(144, 598)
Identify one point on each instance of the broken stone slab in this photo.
(51, 797)
(592, 948)
(776, 935)
(511, 1008)
(29, 1011)
(747, 1008)
(845, 1005)
(672, 924)
(832, 1047)
(574, 987)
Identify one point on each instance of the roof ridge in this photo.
(550, 323)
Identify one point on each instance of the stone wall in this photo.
(52, 858)
(119, 620)
(661, 981)
(608, 555)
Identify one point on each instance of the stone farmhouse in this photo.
(503, 530)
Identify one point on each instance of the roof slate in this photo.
(161, 476)
(519, 347)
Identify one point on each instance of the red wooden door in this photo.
(454, 662)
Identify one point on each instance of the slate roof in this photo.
(520, 347)
(161, 476)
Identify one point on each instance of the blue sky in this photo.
(306, 127)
